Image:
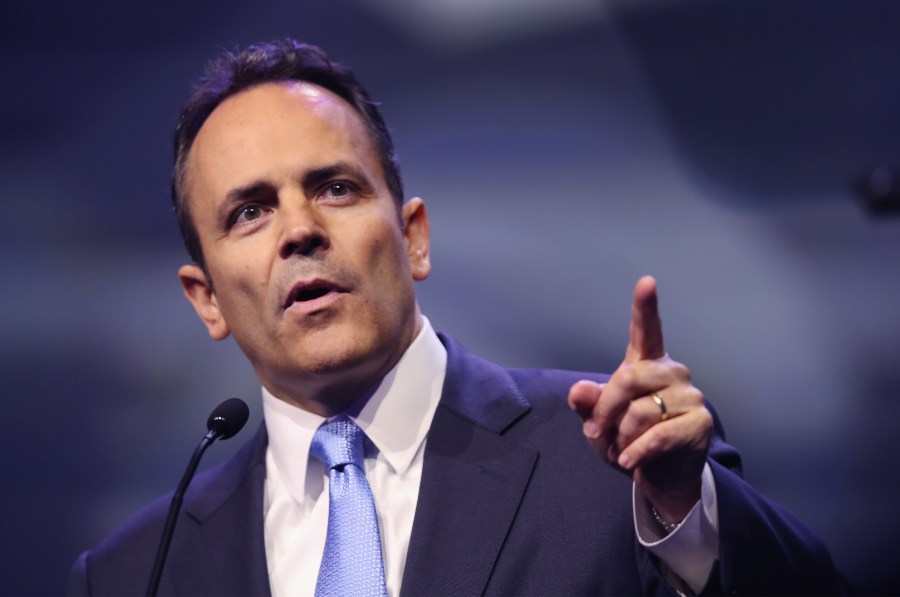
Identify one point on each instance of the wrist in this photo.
(670, 508)
(667, 526)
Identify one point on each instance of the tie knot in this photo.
(338, 442)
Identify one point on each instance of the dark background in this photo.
(564, 148)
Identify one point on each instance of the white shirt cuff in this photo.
(690, 550)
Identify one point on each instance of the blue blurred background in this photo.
(564, 148)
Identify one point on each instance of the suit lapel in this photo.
(221, 532)
(472, 483)
(473, 479)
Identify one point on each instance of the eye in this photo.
(339, 192)
(247, 213)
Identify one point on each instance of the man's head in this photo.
(298, 224)
(283, 60)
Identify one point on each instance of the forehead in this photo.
(272, 128)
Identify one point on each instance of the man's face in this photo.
(310, 266)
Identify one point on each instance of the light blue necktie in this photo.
(351, 563)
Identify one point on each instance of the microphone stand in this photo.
(175, 508)
(226, 420)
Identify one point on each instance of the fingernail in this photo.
(591, 429)
(612, 455)
(624, 461)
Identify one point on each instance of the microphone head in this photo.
(228, 418)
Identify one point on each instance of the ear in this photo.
(199, 291)
(416, 231)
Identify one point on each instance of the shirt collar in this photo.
(396, 418)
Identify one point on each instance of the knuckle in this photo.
(601, 411)
(695, 397)
(623, 441)
(645, 417)
(627, 433)
(677, 370)
(682, 372)
(627, 378)
(654, 442)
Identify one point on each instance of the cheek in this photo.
(394, 263)
(385, 249)
(387, 267)
(238, 281)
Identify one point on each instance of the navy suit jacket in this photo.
(512, 501)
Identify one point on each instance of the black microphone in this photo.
(225, 421)
(228, 418)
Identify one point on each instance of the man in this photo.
(291, 205)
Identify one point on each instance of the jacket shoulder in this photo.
(122, 562)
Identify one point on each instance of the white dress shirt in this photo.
(396, 420)
(690, 550)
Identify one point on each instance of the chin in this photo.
(332, 354)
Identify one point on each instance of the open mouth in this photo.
(310, 291)
(309, 294)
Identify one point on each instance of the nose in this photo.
(303, 234)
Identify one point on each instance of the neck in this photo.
(327, 399)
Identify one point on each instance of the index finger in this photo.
(646, 337)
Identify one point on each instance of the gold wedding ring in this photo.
(663, 411)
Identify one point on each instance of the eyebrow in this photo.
(239, 194)
(319, 176)
(312, 179)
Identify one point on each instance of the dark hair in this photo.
(282, 60)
